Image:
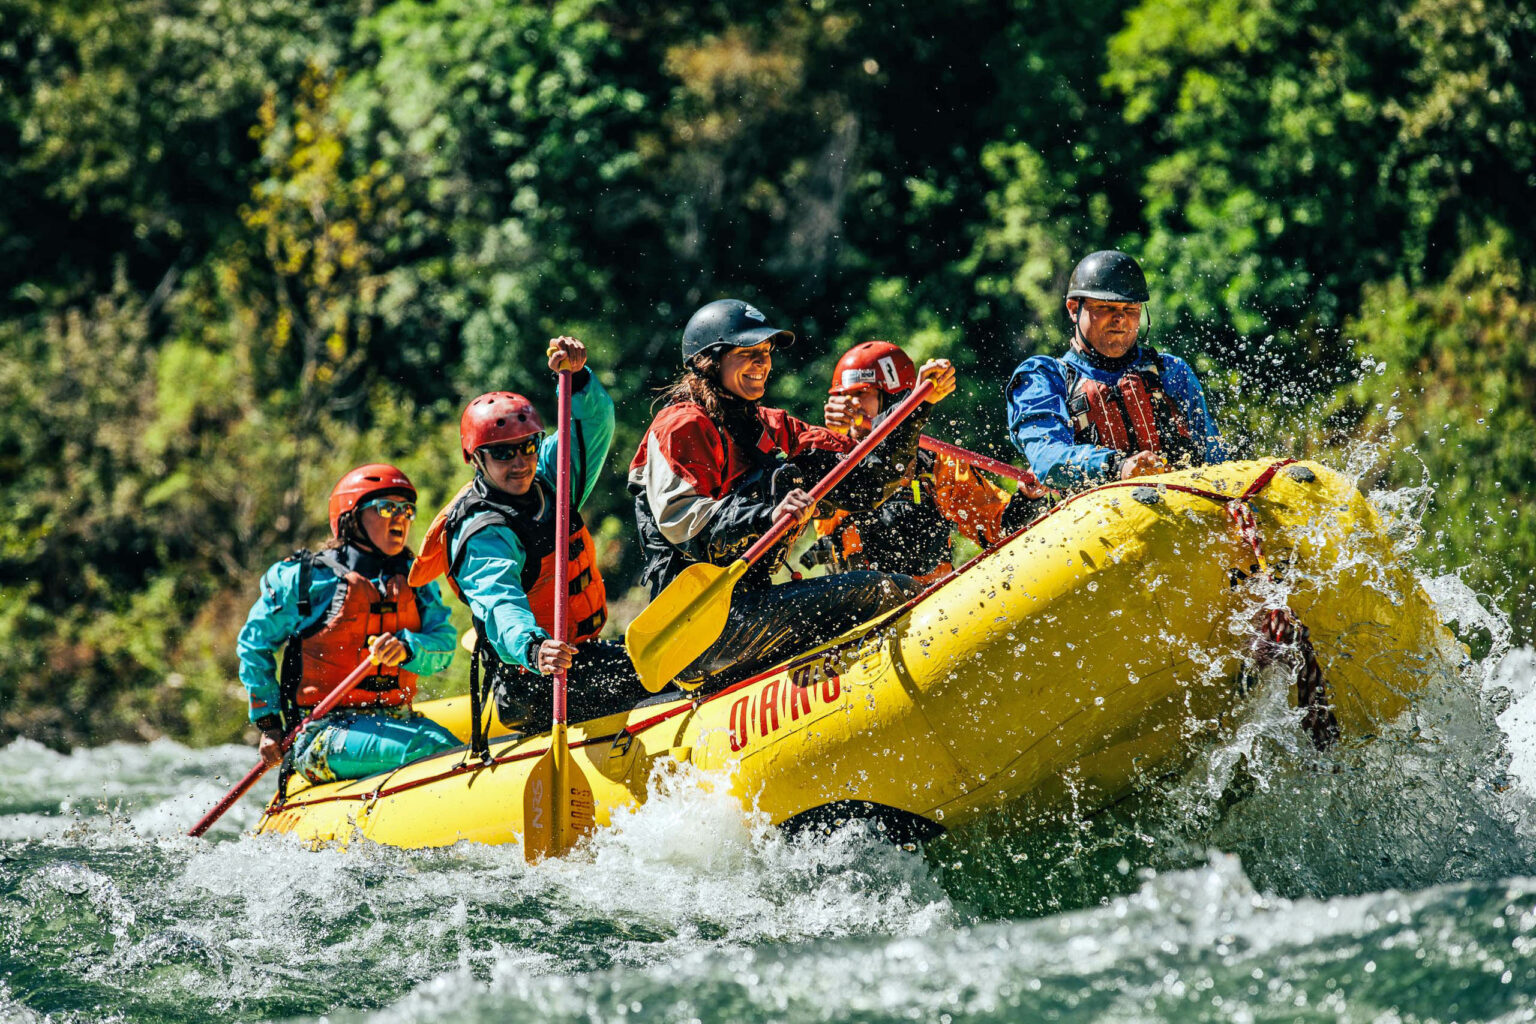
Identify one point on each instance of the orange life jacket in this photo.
(1133, 414)
(327, 652)
(477, 506)
(954, 497)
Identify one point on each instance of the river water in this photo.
(1389, 882)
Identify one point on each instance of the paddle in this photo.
(979, 461)
(690, 613)
(557, 801)
(333, 698)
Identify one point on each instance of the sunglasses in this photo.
(389, 508)
(505, 452)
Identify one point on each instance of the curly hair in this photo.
(700, 384)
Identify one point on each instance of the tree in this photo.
(1453, 398)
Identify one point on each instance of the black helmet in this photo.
(729, 323)
(1110, 275)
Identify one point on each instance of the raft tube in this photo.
(1084, 656)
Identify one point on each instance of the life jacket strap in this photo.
(480, 675)
(1283, 637)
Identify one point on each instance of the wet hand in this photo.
(842, 412)
(1142, 464)
(942, 373)
(797, 503)
(566, 354)
(1031, 487)
(388, 650)
(553, 657)
(270, 748)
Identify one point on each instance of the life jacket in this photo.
(478, 506)
(319, 657)
(901, 536)
(1133, 414)
(908, 533)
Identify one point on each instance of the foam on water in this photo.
(1378, 881)
(115, 907)
(1194, 945)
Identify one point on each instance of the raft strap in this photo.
(1280, 630)
(479, 690)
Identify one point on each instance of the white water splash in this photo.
(1200, 944)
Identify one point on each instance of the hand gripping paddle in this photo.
(557, 801)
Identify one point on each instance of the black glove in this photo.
(1021, 511)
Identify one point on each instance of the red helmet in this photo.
(496, 417)
(874, 364)
(360, 485)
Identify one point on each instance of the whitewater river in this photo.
(1393, 883)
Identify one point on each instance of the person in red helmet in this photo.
(496, 542)
(328, 610)
(909, 533)
(716, 468)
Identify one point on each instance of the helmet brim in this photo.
(747, 339)
(1106, 296)
(758, 335)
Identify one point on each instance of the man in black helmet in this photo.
(716, 468)
(1112, 407)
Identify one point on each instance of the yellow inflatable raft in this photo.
(1092, 652)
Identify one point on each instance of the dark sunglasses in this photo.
(389, 508)
(504, 452)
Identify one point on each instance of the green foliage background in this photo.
(245, 246)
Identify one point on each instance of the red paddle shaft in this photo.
(243, 786)
(562, 534)
(991, 465)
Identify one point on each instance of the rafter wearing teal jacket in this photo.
(489, 569)
(350, 742)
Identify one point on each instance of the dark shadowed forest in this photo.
(248, 244)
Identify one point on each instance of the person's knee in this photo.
(430, 738)
(898, 588)
(879, 592)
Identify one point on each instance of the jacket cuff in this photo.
(522, 647)
(410, 649)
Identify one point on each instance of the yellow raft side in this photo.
(1071, 663)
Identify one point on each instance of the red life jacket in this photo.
(323, 655)
(477, 506)
(1133, 414)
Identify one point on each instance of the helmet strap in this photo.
(1080, 341)
(352, 532)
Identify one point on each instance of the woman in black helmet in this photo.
(715, 469)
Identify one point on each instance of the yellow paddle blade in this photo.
(557, 803)
(682, 622)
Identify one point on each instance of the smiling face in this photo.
(512, 475)
(744, 371)
(389, 534)
(1109, 328)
